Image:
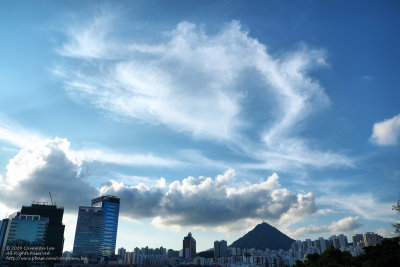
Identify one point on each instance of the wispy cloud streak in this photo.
(192, 82)
(344, 225)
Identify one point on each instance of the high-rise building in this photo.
(322, 245)
(55, 228)
(22, 232)
(122, 253)
(372, 239)
(220, 249)
(88, 233)
(342, 241)
(335, 241)
(4, 228)
(216, 249)
(96, 229)
(27, 230)
(317, 246)
(358, 239)
(109, 226)
(37, 225)
(223, 248)
(189, 247)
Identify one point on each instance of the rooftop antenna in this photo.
(51, 199)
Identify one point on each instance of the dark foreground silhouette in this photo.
(387, 254)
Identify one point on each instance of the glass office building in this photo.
(55, 227)
(109, 227)
(88, 233)
(96, 229)
(4, 228)
(30, 229)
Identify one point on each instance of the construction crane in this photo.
(51, 199)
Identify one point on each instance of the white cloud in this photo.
(385, 233)
(15, 134)
(291, 154)
(386, 132)
(47, 167)
(198, 83)
(159, 84)
(365, 205)
(129, 159)
(88, 42)
(344, 225)
(51, 166)
(206, 202)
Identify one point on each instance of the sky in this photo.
(203, 116)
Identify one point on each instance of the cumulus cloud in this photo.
(207, 202)
(386, 132)
(46, 167)
(51, 166)
(347, 224)
(138, 201)
(202, 84)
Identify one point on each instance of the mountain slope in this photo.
(264, 236)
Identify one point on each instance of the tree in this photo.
(330, 258)
(397, 208)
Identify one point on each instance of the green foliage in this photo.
(330, 258)
(386, 254)
(206, 254)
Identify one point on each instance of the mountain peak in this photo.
(263, 224)
(264, 236)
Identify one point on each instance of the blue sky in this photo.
(203, 116)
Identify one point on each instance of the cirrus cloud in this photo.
(347, 224)
(204, 85)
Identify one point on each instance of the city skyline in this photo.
(206, 117)
(94, 223)
(98, 220)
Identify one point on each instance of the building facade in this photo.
(88, 233)
(38, 225)
(220, 249)
(109, 227)
(55, 228)
(371, 239)
(96, 229)
(189, 247)
(27, 229)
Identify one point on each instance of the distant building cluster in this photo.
(245, 257)
(300, 249)
(148, 256)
